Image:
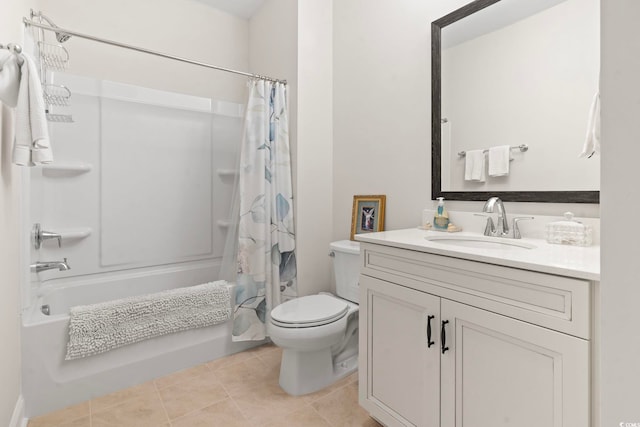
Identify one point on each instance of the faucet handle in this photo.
(490, 228)
(40, 235)
(516, 229)
(45, 235)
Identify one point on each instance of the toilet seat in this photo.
(309, 311)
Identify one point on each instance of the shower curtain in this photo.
(266, 257)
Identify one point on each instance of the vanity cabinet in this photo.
(403, 370)
(450, 342)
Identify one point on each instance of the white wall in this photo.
(620, 290)
(273, 51)
(292, 40)
(10, 31)
(381, 107)
(315, 145)
(185, 28)
(531, 82)
(191, 140)
(382, 98)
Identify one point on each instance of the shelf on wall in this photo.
(62, 169)
(75, 233)
(223, 223)
(227, 173)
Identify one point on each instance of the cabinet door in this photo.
(399, 370)
(499, 371)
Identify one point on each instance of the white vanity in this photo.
(457, 333)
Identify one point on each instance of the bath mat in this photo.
(96, 328)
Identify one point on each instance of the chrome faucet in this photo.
(503, 223)
(39, 235)
(502, 230)
(50, 265)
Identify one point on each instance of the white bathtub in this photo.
(129, 226)
(51, 383)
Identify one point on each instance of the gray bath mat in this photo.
(96, 328)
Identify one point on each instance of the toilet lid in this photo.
(310, 310)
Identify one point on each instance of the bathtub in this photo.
(129, 226)
(51, 383)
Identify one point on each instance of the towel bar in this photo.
(521, 147)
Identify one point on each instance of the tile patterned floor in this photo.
(236, 391)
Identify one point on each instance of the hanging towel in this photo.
(474, 166)
(499, 160)
(592, 141)
(32, 145)
(9, 78)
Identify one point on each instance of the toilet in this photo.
(319, 333)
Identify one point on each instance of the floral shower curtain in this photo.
(266, 258)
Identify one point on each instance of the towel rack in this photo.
(521, 147)
(16, 49)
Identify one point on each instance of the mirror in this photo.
(518, 73)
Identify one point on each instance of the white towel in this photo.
(32, 145)
(499, 158)
(9, 78)
(592, 141)
(474, 166)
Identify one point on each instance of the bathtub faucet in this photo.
(50, 265)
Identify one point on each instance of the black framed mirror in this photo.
(463, 28)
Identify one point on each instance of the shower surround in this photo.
(140, 193)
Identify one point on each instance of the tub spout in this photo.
(50, 265)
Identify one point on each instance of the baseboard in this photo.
(18, 419)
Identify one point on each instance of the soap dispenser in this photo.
(441, 218)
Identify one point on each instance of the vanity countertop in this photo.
(564, 260)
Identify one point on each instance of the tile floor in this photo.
(235, 391)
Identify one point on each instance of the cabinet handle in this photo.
(443, 337)
(429, 342)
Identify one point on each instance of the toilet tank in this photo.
(346, 268)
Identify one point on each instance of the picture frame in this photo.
(367, 215)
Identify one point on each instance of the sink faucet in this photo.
(503, 223)
(50, 265)
(502, 230)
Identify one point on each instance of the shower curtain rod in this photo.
(143, 50)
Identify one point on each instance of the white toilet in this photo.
(319, 333)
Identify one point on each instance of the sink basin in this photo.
(480, 242)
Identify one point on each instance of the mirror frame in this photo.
(436, 116)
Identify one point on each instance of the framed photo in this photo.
(368, 214)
